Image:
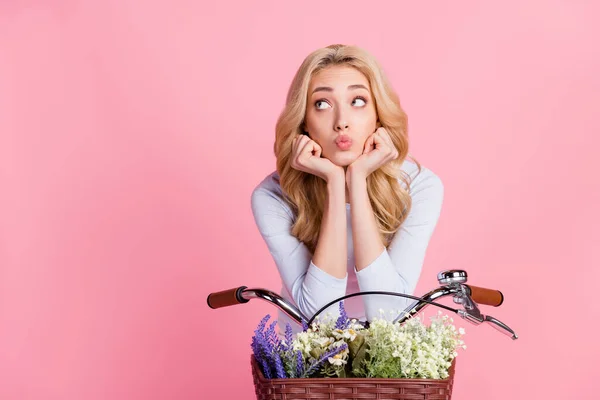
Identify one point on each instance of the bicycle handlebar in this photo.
(231, 297)
(453, 283)
(489, 297)
(226, 298)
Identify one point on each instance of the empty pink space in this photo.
(133, 132)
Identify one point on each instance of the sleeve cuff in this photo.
(380, 275)
(317, 274)
(374, 269)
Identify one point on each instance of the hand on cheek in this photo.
(378, 150)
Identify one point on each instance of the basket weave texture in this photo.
(351, 388)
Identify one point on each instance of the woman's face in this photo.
(340, 114)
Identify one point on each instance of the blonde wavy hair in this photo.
(307, 193)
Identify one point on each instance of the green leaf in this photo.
(356, 344)
(317, 352)
(358, 359)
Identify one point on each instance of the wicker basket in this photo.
(351, 388)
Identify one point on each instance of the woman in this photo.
(345, 211)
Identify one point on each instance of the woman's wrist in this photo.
(353, 176)
(336, 190)
(335, 176)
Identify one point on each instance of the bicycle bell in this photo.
(451, 276)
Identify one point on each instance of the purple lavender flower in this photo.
(280, 372)
(268, 349)
(343, 321)
(272, 337)
(262, 347)
(299, 364)
(265, 368)
(304, 326)
(256, 339)
(315, 365)
(263, 322)
(288, 338)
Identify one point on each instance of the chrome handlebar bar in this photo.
(452, 283)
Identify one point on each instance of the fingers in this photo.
(317, 149)
(304, 144)
(297, 146)
(378, 140)
(303, 151)
(383, 138)
(297, 142)
(307, 147)
(300, 142)
(369, 144)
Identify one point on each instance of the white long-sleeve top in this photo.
(396, 269)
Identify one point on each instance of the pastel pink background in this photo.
(133, 132)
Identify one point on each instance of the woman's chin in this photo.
(343, 159)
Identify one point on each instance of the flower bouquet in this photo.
(340, 357)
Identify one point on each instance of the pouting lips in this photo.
(344, 142)
(343, 139)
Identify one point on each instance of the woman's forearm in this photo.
(332, 246)
(365, 232)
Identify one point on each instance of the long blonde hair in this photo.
(307, 193)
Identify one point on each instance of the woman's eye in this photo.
(361, 99)
(317, 104)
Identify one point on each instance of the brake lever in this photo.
(500, 326)
(472, 314)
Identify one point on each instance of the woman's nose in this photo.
(341, 126)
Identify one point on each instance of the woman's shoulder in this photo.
(269, 184)
(421, 180)
(268, 192)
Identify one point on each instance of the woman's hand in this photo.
(306, 157)
(378, 151)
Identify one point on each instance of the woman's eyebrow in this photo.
(329, 89)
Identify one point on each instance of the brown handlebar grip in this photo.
(489, 297)
(226, 298)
